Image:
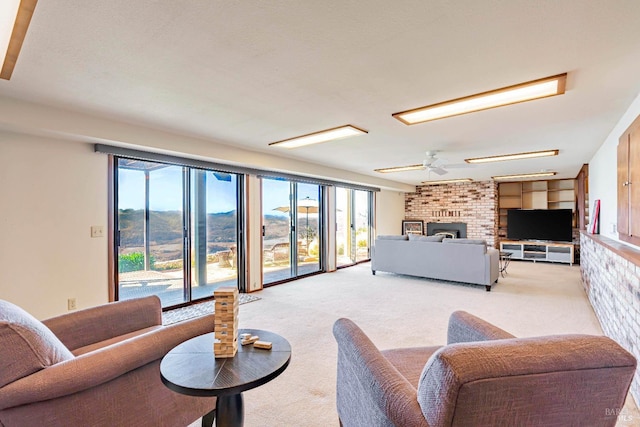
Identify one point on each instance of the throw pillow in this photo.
(26, 344)
(419, 238)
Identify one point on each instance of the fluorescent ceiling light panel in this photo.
(322, 136)
(15, 16)
(400, 169)
(517, 156)
(542, 88)
(524, 175)
(447, 181)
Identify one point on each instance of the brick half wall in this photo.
(474, 203)
(612, 283)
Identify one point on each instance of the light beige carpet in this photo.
(397, 311)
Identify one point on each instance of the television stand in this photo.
(539, 251)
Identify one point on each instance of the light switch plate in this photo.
(97, 231)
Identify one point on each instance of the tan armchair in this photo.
(483, 377)
(94, 367)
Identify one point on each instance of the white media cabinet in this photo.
(539, 251)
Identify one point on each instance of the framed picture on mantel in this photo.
(411, 226)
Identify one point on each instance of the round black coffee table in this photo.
(191, 368)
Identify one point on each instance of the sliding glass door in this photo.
(291, 229)
(353, 225)
(176, 231)
(213, 232)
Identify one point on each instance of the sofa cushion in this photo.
(392, 237)
(26, 345)
(466, 241)
(419, 238)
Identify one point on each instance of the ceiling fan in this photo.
(433, 164)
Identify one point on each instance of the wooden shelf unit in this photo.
(546, 194)
(539, 251)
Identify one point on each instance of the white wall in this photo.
(603, 168)
(389, 212)
(51, 193)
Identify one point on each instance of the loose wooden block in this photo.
(250, 340)
(266, 345)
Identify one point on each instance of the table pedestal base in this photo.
(230, 410)
(207, 420)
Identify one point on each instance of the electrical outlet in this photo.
(71, 304)
(97, 231)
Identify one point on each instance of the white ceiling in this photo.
(247, 73)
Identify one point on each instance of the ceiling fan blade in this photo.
(439, 171)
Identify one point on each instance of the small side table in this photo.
(505, 259)
(191, 368)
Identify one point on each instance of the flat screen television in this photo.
(540, 224)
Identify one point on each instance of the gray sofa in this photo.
(483, 377)
(457, 260)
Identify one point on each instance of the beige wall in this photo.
(389, 212)
(51, 193)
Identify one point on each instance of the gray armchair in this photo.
(483, 377)
(94, 367)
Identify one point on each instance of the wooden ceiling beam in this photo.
(25, 12)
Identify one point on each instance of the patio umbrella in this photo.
(306, 206)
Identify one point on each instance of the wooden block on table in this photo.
(250, 340)
(266, 345)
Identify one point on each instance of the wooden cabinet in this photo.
(549, 194)
(582, 181)
(629, 184)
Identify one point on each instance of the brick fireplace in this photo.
(472, 203)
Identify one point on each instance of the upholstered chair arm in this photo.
(102, 365)
(370, 390)
(528, 381)
(95, 324)
(465, 327)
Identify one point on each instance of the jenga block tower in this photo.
(226, 322)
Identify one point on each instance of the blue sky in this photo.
(165, 191)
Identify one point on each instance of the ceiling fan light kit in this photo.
(516, 156)
(15, 16)
(528, 91)
(332, 134)
(523, 175)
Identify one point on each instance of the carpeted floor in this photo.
(396, 311)
(184, 313)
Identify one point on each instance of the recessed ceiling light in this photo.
(400, 169)
(524, 175)
(15, 16)
(321, 136)
(541, 88)
(447, 181)
(516, 156)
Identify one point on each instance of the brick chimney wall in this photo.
(474, 203)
